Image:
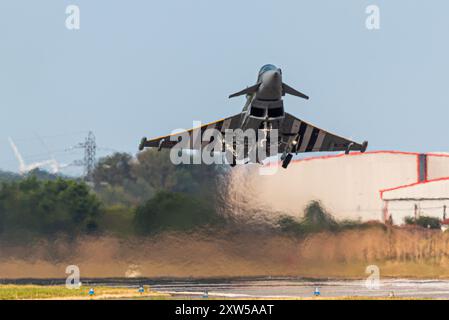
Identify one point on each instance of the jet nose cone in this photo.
(273, 77)
(271, 88)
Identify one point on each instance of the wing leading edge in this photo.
(308, 138)
(169, 141)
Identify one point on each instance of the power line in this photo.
(90, 148)
(60, 135)
(89, 155)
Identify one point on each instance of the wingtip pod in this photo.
(350, 146)
(364, 146)
(142, 143)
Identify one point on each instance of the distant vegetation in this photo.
(149, 194)
(175, 212)
(316, 219)
(8, 176)
(424, 221)
(120, 179)
(33, 207)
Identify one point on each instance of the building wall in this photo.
(399, 210)
(437, 166)
(348, 186)
(429, 197)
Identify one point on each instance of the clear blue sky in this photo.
(143, 68)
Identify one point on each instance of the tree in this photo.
(6, 176)
(122, 179)
(316, 218)
(424, 221)
(173, 211)
(47, 208)
(113, 170)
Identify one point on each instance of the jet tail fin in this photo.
(248, 90)
(286, 89)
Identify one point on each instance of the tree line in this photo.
(129, 196)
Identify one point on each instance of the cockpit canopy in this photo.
(266, 68)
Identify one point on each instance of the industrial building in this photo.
(377, 185)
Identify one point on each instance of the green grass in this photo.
(14, 292)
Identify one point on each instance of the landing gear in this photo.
(348, 148)
(234, 162)
(287, 160)
(229, 154)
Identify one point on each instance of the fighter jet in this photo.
(264, 110)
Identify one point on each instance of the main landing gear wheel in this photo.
(287, 160)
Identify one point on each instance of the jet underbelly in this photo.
(261, 112)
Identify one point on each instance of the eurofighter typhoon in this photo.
(264, 114)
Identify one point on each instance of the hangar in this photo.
(428, 198)
(369, 186)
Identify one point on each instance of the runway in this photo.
(279, 288)
(291, 288)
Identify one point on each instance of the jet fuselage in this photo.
(264, 108)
